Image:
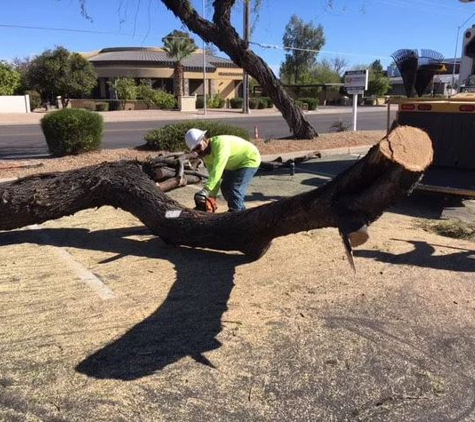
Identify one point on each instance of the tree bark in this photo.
(356, 197)
(222, 34)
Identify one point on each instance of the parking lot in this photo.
(103, 321)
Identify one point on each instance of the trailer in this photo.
(450, 124)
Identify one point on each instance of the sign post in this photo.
(356, 82)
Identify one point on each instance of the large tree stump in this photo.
(355, 197)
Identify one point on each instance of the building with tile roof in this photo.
(222, 75)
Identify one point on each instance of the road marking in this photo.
(86, 276)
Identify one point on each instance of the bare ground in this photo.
(177, 334)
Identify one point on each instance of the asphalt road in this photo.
(27, 140)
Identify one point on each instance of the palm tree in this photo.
(179, 45)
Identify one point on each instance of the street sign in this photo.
(356, 80)
(355, 83)
(354, 91)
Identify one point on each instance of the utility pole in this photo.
(247, 39)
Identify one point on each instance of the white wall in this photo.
(14, 103)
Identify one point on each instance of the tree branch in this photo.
(356, 197)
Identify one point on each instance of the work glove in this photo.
(203, 202)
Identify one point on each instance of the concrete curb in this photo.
(324, 153)
(154, 115)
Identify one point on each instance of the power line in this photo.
(87, 31)
(278, 47)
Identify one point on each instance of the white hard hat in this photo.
(193, 137)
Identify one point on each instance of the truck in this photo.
(450, 123)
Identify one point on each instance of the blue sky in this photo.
(359, 31)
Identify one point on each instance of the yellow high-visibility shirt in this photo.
(228, 152)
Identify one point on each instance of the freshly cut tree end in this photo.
(358, 237)
(408, 146)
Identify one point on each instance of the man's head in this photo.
(196, 140)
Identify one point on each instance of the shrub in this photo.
(102, 107)
(172, 137)
(146, 94)
(300, 104)
(312, 103)
(164, 100)
(268, 101)
(200, 102)
(236, 102)
(35, 99)
(215, 101)
(262, 103)
(253, 103)
(72, 131)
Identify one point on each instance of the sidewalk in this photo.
(150, 115)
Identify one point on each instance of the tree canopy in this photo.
(179, 45)
(60, 73)
(223, 35)
(303, 41)
(10, 79)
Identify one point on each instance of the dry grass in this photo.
(455, 229)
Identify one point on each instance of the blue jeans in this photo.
(234, 186)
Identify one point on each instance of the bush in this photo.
(102, 107)
(300, 104)
(261, 103)
(146, 94)
(312, 103)
(172, 137)
(211, 102)
(216, 101)
(35, 99)
(200, 102)
(236, 102)
(268, 101)
(253, 103)
(72, 131)
(163, 100)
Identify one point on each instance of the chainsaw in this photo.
(204, 203)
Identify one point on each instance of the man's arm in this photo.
(221, 151)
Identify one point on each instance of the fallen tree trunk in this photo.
(356, 197)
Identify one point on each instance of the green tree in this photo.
(324, 72)
(379, 84)
(303, 41)
(220, 31)
(125, 89)
(60, 73)
(179, 45)
(10, 79)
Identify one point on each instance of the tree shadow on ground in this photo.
(185, 324)
(423, 256)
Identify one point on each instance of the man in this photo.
(231, 161)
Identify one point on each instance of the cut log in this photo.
(356, 197)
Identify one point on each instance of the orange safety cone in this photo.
(256, 132)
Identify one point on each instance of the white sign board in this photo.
(356, 80)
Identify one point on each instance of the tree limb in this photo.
(354, 198)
